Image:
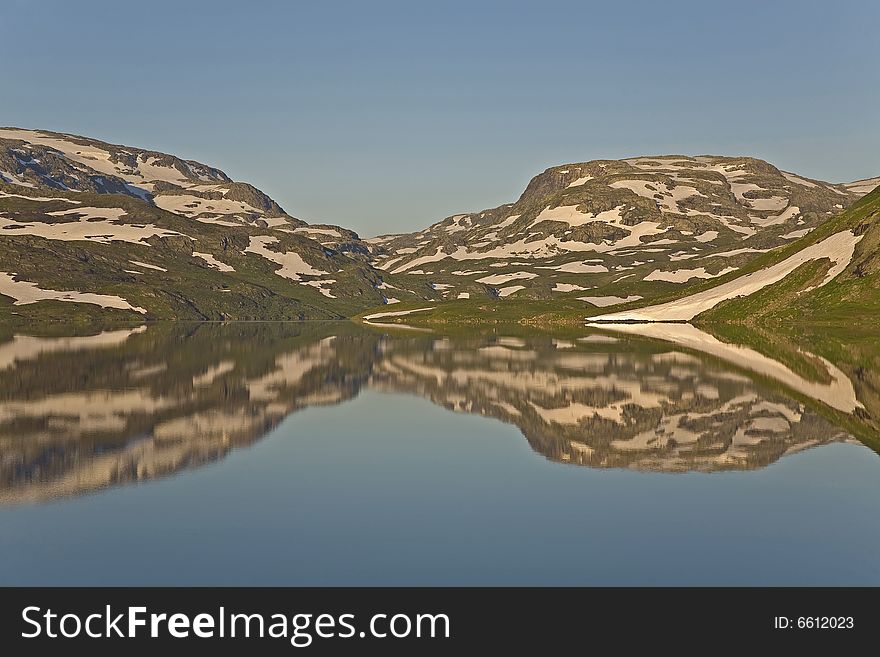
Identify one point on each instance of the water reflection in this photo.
(83, 413)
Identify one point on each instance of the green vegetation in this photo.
(852, 296)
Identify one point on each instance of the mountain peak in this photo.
(140, 231)
(622, 229)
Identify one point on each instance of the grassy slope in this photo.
(854, 295)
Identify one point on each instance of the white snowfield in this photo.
(292, 263)
(318, 285)
(797, 180)
(142, 175)
(25, 292)
(330, 232)
(684, 275)
(498, 279)
(786, 215)
(567, 287)
(38, 199)
(397, 313)
(570, 215)
(540, 248)
(650, 189)
(735, 252)
(213, 262)
(507, 222)
(580, 181)
(609, 301)
(708, 236)
(771, 204)
(7, 177)
(218, 220)
(863, 186)
(580, 267)
(190, 206)
(838, 248)
(796, 234)
(146, 265)
(507, 291)
(838, 394)
(94, 225)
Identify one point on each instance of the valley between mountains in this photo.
(91, 230)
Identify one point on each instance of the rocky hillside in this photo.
(608, 231)
(831, 274)
(90, 229)
(94, 229)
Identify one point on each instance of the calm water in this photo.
(328, 454)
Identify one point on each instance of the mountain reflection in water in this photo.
(84, 413)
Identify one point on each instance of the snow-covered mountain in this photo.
(88, 227)
(611, 231)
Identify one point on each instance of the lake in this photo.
(335, 454)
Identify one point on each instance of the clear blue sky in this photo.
(387, 116)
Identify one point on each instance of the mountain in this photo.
(831, 274)
(610, 231)
(92, 229)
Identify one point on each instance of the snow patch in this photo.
(579, 181)
(863, 186)
(609, 300)
(213, 262)
(581, 267)
(319, 286)
(567, 287)
(684, 275)
(398, 313)
(292, 264)
(838, 248)
(507, 291)
(25, 292)
(104, 230)
(498, 279)
(147, 266)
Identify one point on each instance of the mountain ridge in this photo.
(657, 221)
(147, 234)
